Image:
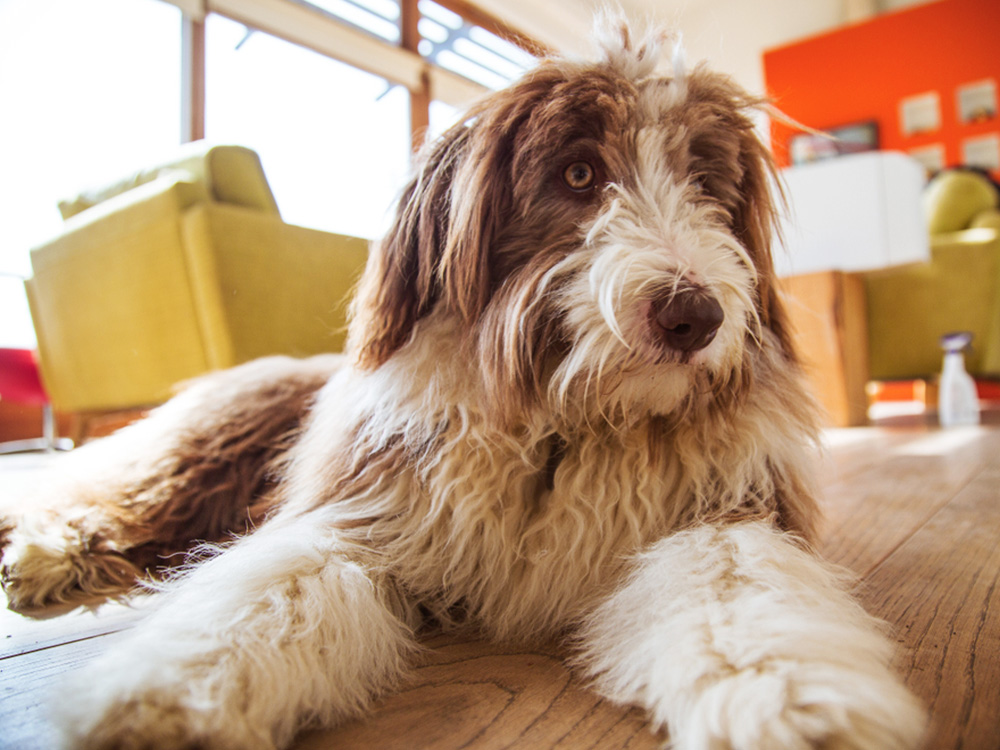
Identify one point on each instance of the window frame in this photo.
(294, 22)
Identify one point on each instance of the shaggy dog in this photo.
(569, 406)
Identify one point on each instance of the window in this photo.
(89, 91)
(378, 17)
(93, 91)
(442, 117)
(450, 41)
(333, 139)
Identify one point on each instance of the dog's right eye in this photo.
(579, 176)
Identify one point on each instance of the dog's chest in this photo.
(520, 534)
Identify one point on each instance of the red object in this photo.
(862, 72)
(19, 379)
(910, 390)
(988, 390)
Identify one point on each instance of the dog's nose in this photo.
(687, 319)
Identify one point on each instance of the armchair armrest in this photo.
(111, 302)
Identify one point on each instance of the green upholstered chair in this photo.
(181, 269)
(911, 307)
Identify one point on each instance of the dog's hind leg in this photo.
(201, 467)
(734, 637)
(287, 626)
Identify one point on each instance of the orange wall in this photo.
(861, 72)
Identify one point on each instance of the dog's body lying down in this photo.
(569, 406)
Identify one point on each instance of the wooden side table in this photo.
(827, 311)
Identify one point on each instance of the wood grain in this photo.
(869, 513)
(29, 689)
(939, 590)
(474, 694)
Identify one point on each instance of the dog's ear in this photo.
(437, 251)
(401, 282)
(755, 222)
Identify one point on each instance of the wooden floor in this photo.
(913, 510)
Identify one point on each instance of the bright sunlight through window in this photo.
(90, 91)
(333, 139)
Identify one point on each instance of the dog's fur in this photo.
(509, 444)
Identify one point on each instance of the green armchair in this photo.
(181, 269)
(911, 307)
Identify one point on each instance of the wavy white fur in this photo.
(674, 638)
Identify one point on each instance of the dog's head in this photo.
(600, 233)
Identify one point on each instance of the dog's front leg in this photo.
(735, 638)
(283, 628)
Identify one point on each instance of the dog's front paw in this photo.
(153, 720)
(736, 639)
(801, 707)
(127, 706)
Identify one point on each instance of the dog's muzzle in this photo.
(686, 319)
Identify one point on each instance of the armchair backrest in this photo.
(955, 198)
(230, 174)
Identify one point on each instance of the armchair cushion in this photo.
(265, 287)
(989, 219)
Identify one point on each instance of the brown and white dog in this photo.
(569, 407)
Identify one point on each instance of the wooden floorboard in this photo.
(29, 689)
(914, 512)
(902, 482)
(473, 694)
(940, 590)
(23, 635)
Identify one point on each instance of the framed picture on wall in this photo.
(982, 152)
(977, 102)
(920, 113)
(847, 139)
(931, 157)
